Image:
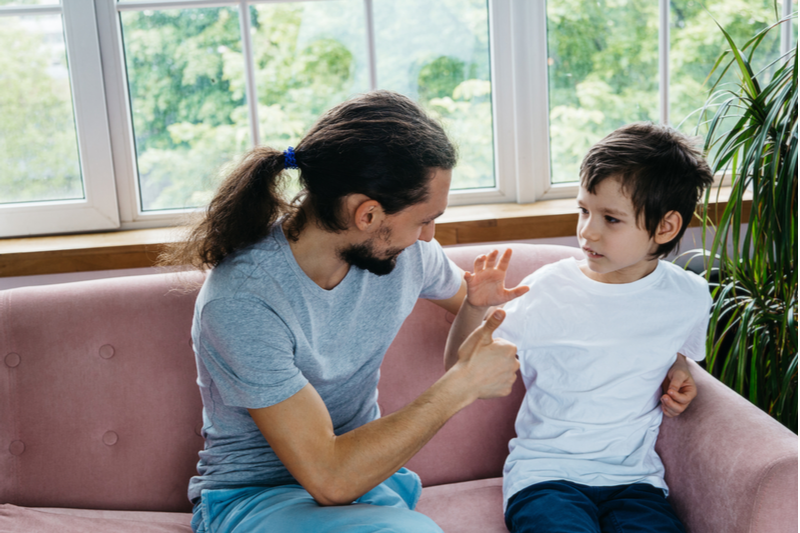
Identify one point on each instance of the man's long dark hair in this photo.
(379, 144)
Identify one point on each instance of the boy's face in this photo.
(617, 249)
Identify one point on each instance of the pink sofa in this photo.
(100, 419)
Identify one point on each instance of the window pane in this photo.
(602, 74)
(696, 42)
(38, 143)
(309, 56)
(185, 76)
(441, 60)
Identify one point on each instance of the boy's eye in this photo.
(583, 211)
(612, 220)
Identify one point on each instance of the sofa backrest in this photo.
(99, 407)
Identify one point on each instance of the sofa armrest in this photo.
(729, 466)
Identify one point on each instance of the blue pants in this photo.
(388, 508)
(565, 507)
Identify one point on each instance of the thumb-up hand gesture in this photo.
(491, 363)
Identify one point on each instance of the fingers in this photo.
(517, 291)
(491, 259)
(478, 264)
(482, 262)
(504, 259)
(493, 322)
(672, 407)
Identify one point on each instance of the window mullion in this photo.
(372, 53)
(663, 61)
(249, 70)
(786, 27)
(91, 113)
(528, 64)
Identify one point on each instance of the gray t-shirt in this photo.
(263, 329)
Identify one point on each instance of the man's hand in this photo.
(679, 388)
(491, 363)
(486, 285)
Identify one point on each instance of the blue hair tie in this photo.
(289, 160)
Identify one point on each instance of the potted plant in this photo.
(752, 342)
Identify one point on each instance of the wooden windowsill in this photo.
(140, 248)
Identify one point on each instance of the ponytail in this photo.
(380, 144)
(247, 203)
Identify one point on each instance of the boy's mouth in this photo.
(591, 253)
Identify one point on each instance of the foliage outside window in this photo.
(186, 73)
(603, 65)
(181, 107)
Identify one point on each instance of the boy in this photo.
(596, 338)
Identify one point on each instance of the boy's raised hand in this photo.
(486, 285)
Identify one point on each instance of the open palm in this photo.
(486, 285)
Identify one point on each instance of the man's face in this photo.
(379, 253)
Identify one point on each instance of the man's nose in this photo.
(428, 232)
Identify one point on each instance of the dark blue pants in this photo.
(565, 507)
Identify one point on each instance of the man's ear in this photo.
(669, 227)
(366, 213)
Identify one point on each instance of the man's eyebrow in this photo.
(434, 217)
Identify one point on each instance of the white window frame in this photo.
(98, 209)
(518, 48)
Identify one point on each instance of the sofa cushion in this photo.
(469, 507)
(15, 519)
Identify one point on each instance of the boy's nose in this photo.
(587, 231)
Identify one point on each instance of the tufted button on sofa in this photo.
(100, 419)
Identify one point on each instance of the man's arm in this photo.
(336, 470)
(485, 289)
(679, 388)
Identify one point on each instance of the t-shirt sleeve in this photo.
(441, 277)
(695, 345)
(248, 352)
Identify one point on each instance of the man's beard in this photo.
(363, 256)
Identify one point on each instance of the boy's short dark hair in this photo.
(658, 168)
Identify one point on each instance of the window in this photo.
(125, 114)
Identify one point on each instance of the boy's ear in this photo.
(669, 227)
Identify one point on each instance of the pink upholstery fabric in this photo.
(467, 507)
(730, 467)
(15, 519)
(99, 406)
(100, 415)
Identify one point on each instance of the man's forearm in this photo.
(366, 456)
(339, 469)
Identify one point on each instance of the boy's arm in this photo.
(679, 388)
(485, 288)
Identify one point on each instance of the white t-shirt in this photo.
(593, 357)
